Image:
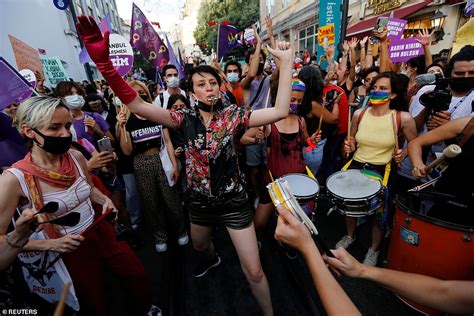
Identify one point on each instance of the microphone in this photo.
(425, 79)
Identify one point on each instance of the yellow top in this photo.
(375, 139)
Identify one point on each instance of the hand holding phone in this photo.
(104, 144)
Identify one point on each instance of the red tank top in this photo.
(286, 155)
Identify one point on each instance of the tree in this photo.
(240, 13)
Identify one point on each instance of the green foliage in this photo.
(240, 13)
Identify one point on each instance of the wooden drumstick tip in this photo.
(452, 151)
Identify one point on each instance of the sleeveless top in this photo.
(375, 139)
(286, 153)
(74, 199)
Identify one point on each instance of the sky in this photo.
(166, 12)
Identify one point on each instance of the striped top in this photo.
(74, 199)
(375, 139)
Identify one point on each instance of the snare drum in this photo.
(353, 193)
(305, 189)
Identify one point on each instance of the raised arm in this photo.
(253, 69)
(425, 41)
(270, 115)
(362, 52)
(98, 48)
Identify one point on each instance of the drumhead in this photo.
(352, 184)
(301, 185)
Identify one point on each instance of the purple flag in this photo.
(226, 40)
(11, 143)
(173, 60)
(12, 84)
(181, 61)
(104, 25)
(146, 40)
(405, 49)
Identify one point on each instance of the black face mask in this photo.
(145, 98)
(260, 68)
(54, 145)
(207, 108)
(461, 84)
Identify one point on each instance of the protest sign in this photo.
(401, 50)
(12, 84)
(31, 78)
(54, 70)
(26, 56)
(395, 28)
(326, 32)
(329, 13)
(121, 54)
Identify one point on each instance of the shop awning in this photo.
(366, 26)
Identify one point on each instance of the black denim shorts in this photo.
(233, 210)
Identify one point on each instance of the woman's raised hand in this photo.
(97, 45)
(284, 52)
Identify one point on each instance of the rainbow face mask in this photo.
(377, 98)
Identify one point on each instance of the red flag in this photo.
(212, 23)
(226, 22)
(157, 24)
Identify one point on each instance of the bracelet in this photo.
(9, 243)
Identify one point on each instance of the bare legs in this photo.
(245, 243)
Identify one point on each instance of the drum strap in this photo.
(466, 134)
(386, 175)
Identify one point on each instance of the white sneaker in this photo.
(345, 242)
(161, 247)
(371, 257)
(183, 240)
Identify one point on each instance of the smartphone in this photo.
(381, 24)
(104, 144)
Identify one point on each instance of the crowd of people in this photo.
(205, 148)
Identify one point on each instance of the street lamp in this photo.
(437, 21)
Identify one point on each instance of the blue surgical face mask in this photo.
(232, 77)
(74, 101)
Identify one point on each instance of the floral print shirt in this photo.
(210, 156)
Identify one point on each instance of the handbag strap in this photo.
(258, 91)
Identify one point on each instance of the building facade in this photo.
(185, 27)
(294, 21)
(42, 26)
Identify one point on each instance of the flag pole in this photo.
(218, 33)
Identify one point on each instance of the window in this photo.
(308, 39)
(285, 3)
(270, 6)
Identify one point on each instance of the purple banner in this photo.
(31, 78)
(121, 54)
(404, 49)
(395, 28)
(12, 84)
(146, 40)
(226, 40)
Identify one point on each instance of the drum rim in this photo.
(307, 176)
(352, 199)
(432, 220)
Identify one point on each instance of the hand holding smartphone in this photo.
(104, 144)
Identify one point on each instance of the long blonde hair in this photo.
(134, 83)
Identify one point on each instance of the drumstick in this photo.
(349, 123)
(449, 152)
(59, 311)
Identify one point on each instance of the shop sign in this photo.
(381, 6)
